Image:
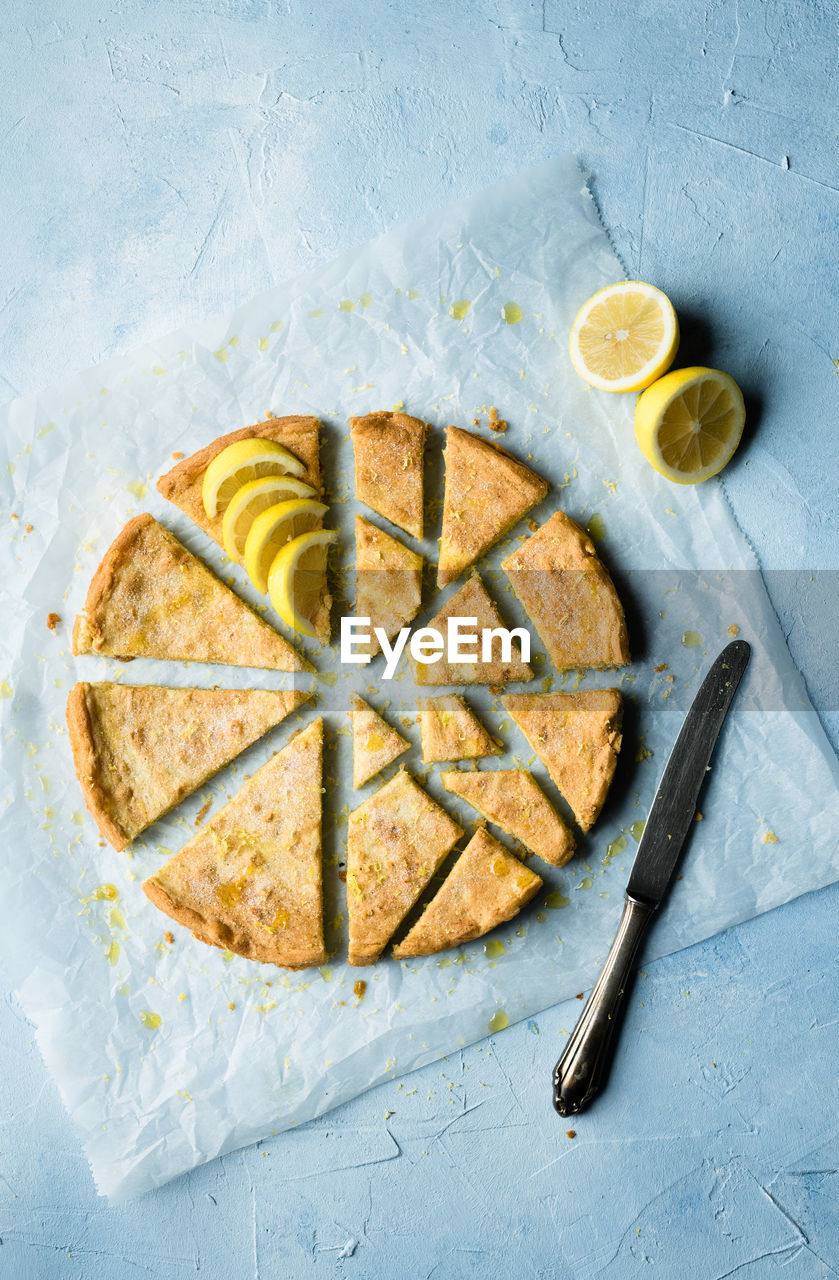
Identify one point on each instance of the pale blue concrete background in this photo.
(162, 160)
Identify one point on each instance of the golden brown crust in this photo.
(388, 450)
(487, 491)
(139, 750)
(396, 841)
(578, 737)
(182, 485)
(450, 730)
(85, 761)
(251, 880)
(388, 581)
(568, 594)
(472, 601)
(514, 801)
(150, 597)
(486, 887)
(375, 743)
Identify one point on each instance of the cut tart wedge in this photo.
(397, 839)
(151, 598)
(375, 743)
(487, 491)
(486, 887)
(569, 596)
(578, 737)
(388, 450)
(388, 582)
(183, 484)
(514, 801)
(140, 750)
(251, 881)
(451, 731)
(473, 601)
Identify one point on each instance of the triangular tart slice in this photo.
(578, 737)
(514, 801)
(388, 581)
(486, 887)
(141, 749)
(451, 731)
(251, 881)
(182, 485)
(473, 601)
(569, 596)
(151, 598)
(375, 743)
(397, 839)
(487, 491)
(388, 450)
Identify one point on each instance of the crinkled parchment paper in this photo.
(169, 1054)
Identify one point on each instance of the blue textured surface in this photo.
(165, 160)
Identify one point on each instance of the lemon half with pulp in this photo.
(624, 337)
(689, 423)
(273, 528)
(297, 583)
(241, 462)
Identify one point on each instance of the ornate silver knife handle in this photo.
(584, 1066)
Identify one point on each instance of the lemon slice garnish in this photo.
(689, 423)
(297, 583)
(252, 499)
(624, 337)
(243, 461)
(273, 528)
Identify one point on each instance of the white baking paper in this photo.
(167, 1054)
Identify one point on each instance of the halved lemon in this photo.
(624, 337)
(297, 583)
(273, 528)
(243, 461)
(689, 423)
(248, 502)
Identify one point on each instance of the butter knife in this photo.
(584, 1066)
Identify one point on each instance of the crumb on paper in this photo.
(570, 1133)
(177, 455)
(232, 1004)
(734, 630)
(770, 838)
(496, 423)
(579, 995)
(27, 528)
(202, 812)
(53, 620)
(662, 666)
(359, 988)
(697, 817)
(169, 937)
(533, 525)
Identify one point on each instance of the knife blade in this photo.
(675, 800)
(584, 1066)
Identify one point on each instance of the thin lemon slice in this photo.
(689, 423)
(624, 337)
(273, 528)
(248, 502)
(240, 462)
(297, 583)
